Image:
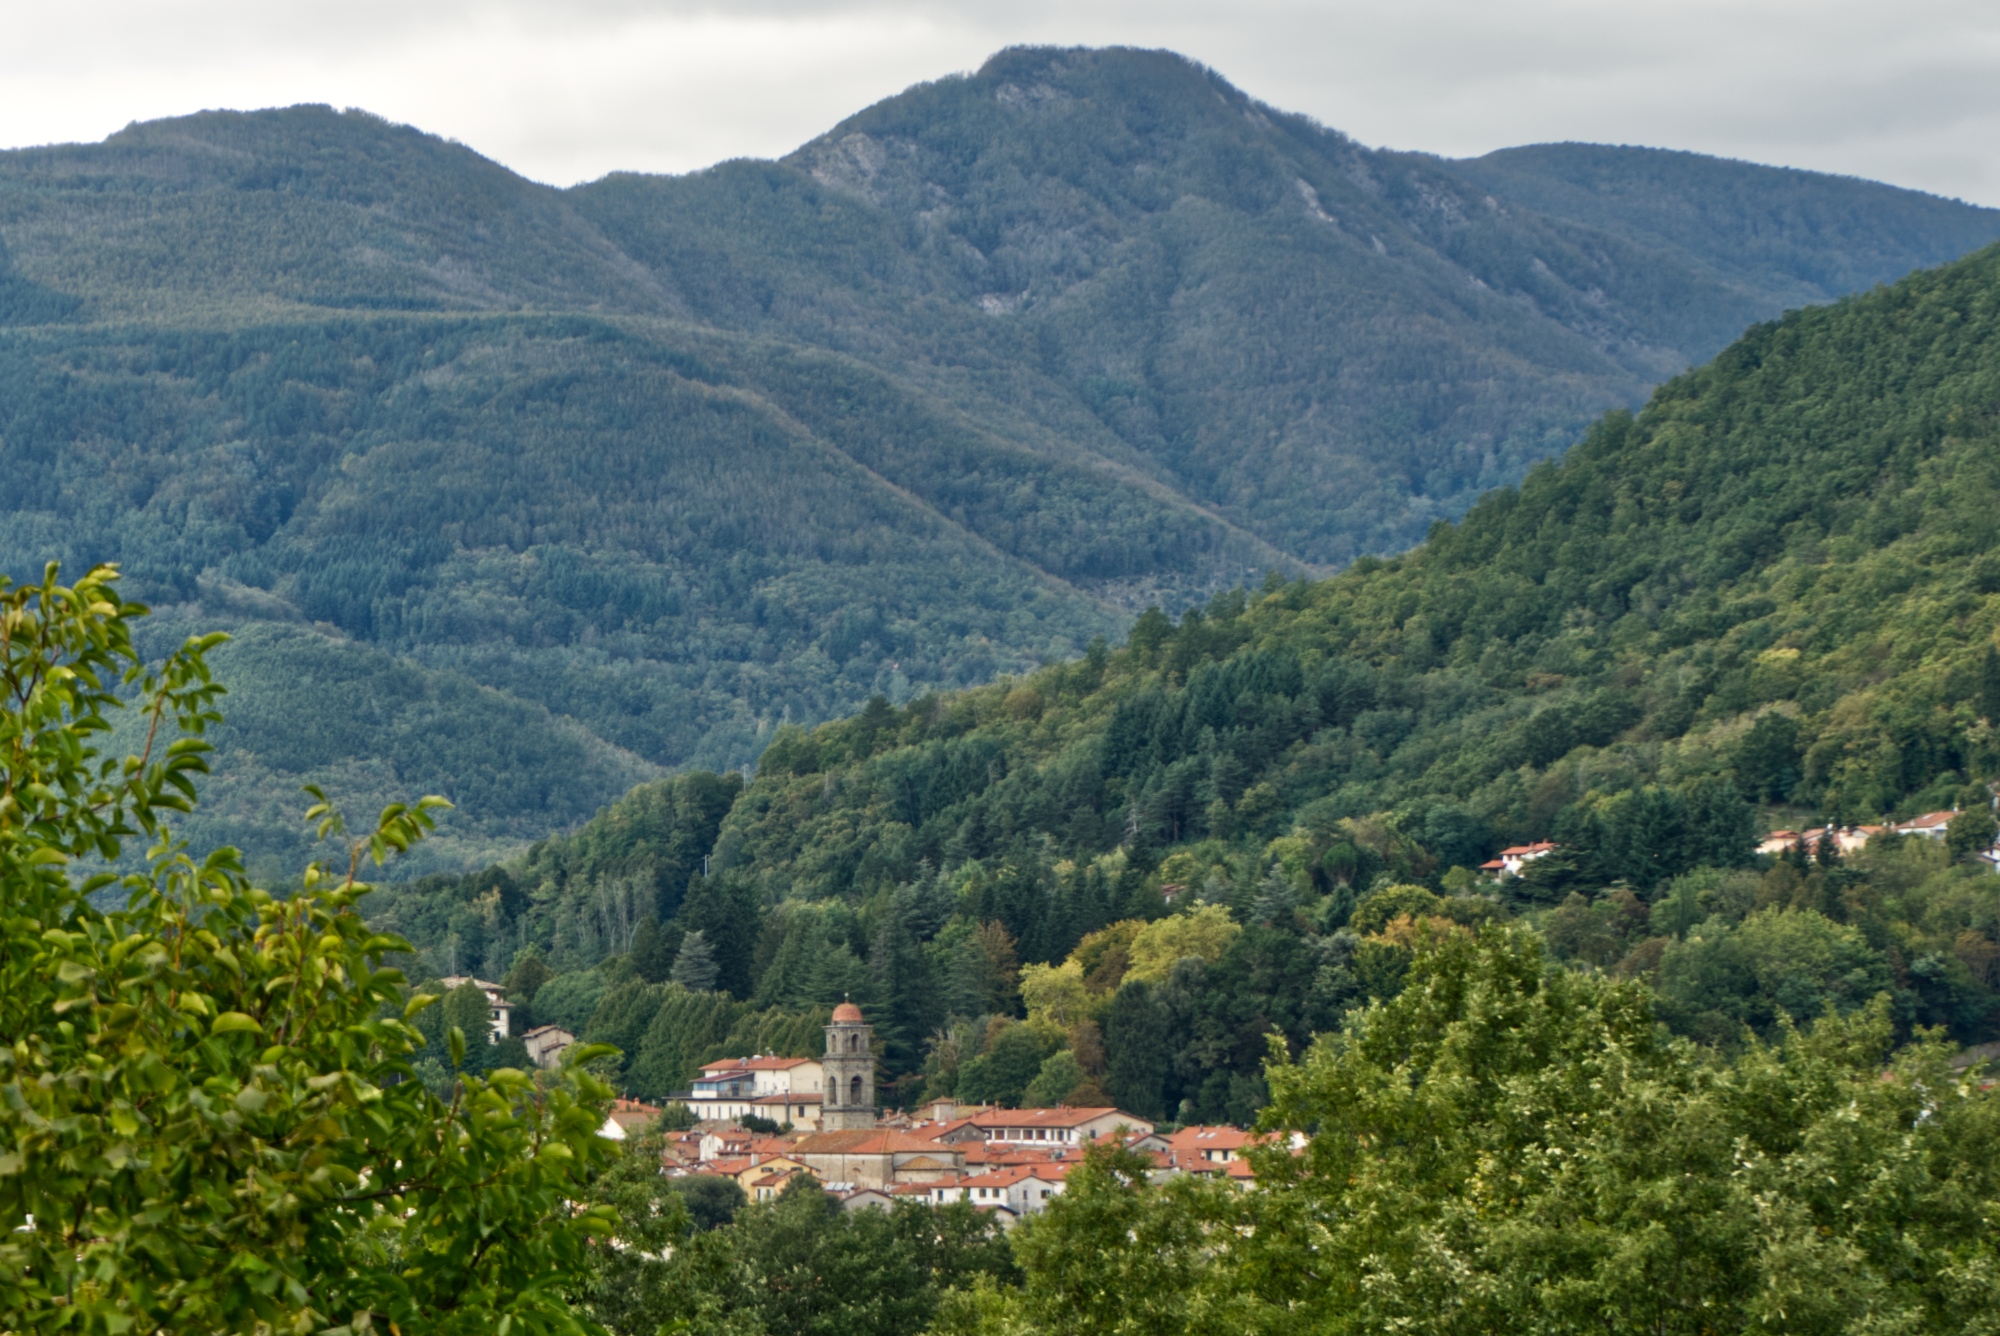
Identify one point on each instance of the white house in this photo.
(502, 1009)
(1022, 1189)
(1054, 1127)
(1515, 857)
(1929, 826)
(785, 1090)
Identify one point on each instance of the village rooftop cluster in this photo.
(1008, 1162)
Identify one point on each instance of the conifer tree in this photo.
(694, 968)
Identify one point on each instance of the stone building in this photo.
(877, 1158)
(848, 1100)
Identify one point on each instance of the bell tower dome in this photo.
(848, 1101)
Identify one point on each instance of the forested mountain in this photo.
(598, 481)
(1771, 596)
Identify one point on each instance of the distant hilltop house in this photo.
(545, 1044)
(496, 999)
(1513, 859)
(1929, 826)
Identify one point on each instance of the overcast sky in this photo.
(1906, 92)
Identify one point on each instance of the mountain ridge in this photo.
(682, 458)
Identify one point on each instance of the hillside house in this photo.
(500, 1009)
(545, 1044)
(1515, 857)
(1846, 839)
(1929, 826)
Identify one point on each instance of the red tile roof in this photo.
(1058, 1117)
(1005, 1178)
(864, 1141)
(1212, 1138)
(754, 1064)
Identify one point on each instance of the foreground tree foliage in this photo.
(207, 1119)
(1511, 1146)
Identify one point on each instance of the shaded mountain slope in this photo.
(1791, 236)
(1331, 345)
(958, 386)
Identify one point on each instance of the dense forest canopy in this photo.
(1769, 599)
(615, 480)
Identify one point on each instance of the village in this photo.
(1007, 1162)
(764, 1122)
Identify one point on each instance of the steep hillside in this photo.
(662, 463)
(1790, 236)
(1776, 587)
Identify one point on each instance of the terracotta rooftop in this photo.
(864, 1141)
(754, 1064)
(1058, 1117)
(1003, 1178)
(847, 1014)
(1212, 1138)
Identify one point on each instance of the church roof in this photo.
(864, 1141)
(847, 1014)
(1057, 1117)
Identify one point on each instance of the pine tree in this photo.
(1276, 901)
(726, 913)
(694, 968)
(652, 951)
(787, 980)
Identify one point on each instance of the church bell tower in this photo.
(848, 1101)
